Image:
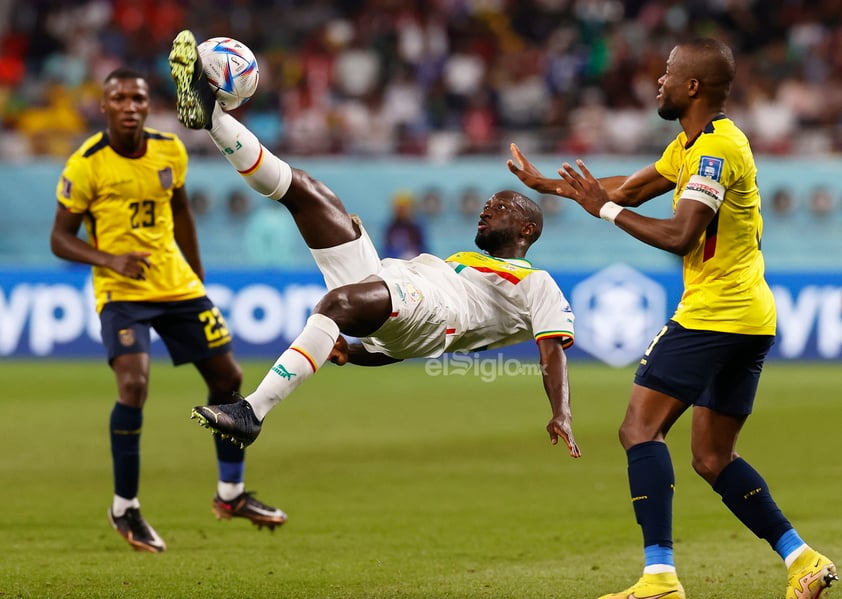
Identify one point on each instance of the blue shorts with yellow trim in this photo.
(716, 370)
(193, 330)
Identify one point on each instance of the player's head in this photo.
(697, 70)
(508, 224)
(125, 101)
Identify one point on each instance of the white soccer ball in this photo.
(231, 70)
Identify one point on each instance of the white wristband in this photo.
(609, 211)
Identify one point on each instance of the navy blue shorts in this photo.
(716, 370)
(193, 330)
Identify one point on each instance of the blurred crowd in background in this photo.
(437, 78)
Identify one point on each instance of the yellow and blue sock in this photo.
(747, 495)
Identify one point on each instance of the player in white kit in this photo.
(398, 309)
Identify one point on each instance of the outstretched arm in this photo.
(632, 190)
(678, 234)
(557, 387)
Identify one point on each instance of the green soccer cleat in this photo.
(235, 421)
(809, 575)
(194, 98)
(137, 531)
(652, 586)
(246, 506)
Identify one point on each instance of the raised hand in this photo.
(584, 189)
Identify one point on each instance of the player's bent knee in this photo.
(358, 309)
(335, 304)
(709, 466)
(223, 377)
(633, 435)
(133, 387)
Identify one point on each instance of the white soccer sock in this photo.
(306, 354)
(120, 504)
(264, 172)
(793, 555)
(658, 569)
(229, 491)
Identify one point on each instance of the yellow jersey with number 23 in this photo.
(126, 203)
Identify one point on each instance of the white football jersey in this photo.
(468, 302)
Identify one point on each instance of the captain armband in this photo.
(705, 190)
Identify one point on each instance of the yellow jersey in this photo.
(126, 203)
(724, 285)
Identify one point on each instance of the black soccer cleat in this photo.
(246, 506)
(235, 421)
(137, 531)
(194, 97)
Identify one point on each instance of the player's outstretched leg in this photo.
(194, 97)
(662, 586)
(809, 575)
(246, 506)
(242, 420)
(235, 421)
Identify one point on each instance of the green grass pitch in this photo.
(398, 484)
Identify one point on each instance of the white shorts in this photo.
(418, 324)
(349, 262)
(422, 309)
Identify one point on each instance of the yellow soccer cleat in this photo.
(809, 575)
(194, 98)
(652, 586)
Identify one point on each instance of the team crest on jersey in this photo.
(711, 167)
(165, 177)
(408, 293)
(66, 187)
(413, 293)
(126, 337)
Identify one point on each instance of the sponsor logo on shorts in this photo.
(126, 337)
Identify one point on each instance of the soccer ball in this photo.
(231, 70)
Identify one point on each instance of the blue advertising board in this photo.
(50, 312)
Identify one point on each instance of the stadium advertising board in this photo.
(50, 313)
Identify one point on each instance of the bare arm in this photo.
(66, 244)
(632, 190)
(637, 188)
(557, 387)
(184, 229)
(677, 235)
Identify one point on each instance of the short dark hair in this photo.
(532, 213)
(714, 66)
(124, 73)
